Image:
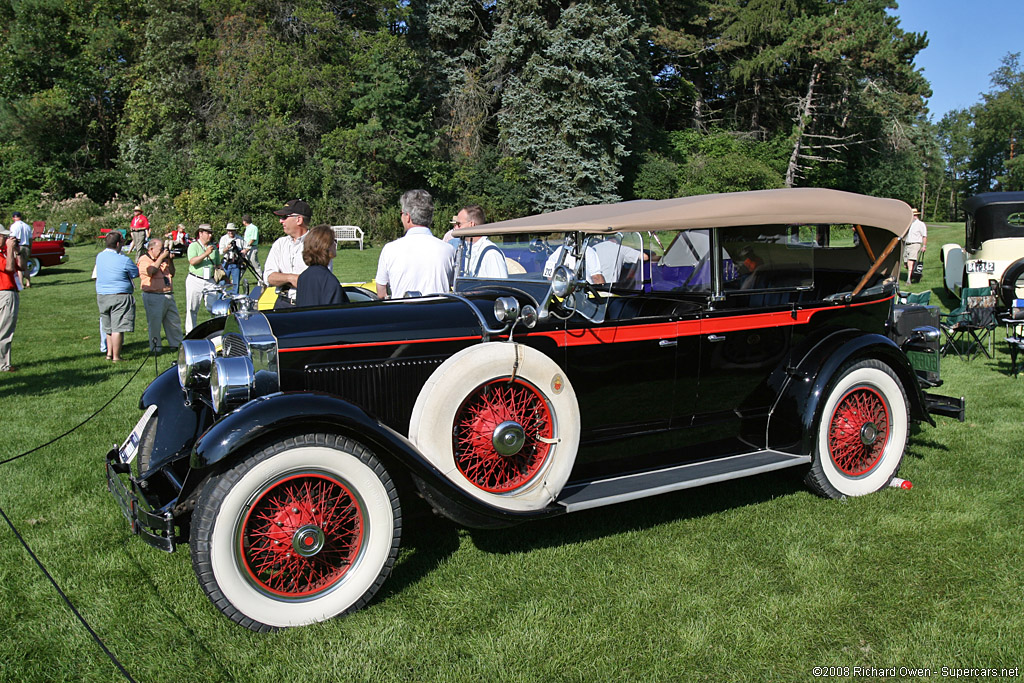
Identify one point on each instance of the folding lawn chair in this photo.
(917, 299)
(973, 322)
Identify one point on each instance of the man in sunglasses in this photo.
(284, 263)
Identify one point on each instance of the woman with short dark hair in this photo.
(317, 285)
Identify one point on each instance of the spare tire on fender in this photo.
(1012, 280)
(501, 421)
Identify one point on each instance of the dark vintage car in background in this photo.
(46, 253)
(628, 350)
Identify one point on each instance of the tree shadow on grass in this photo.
(641, 514)
(53, 375)
(42, 281)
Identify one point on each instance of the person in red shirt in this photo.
(10, 264)
(140, 231)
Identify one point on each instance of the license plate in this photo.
(981, 267)
(924, 361)
(130, 448)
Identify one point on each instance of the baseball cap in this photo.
(915, 212)
(296, 206)
(16, 214)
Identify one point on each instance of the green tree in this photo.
(999, 128)
(567, 99)
(954, 139)
(63, 85)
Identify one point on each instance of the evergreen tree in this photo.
(569, 77)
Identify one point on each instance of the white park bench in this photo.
(348, 233)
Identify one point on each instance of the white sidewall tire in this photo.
(33, 266)
(375, 555)
(434, 415)
(879, 378)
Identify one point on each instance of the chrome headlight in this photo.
(561, 282)
(506, 309)
(195, 360)
(231, 382)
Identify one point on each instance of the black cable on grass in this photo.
(28, 549)
(101, 408)
(67, 601)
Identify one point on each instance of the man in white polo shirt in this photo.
(418, 262)
(284, 263)
(916, 243)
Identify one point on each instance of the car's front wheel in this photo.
(862, 432)
(304, 530)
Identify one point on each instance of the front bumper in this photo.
(946, 406)
(154, 527)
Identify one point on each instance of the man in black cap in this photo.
(284, 263)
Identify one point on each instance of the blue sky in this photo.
(966, 43)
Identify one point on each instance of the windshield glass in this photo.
(509, 257)
(610, 260)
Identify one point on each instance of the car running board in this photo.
(600, 492)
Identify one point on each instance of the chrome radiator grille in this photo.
(387, 389)
(232, 345)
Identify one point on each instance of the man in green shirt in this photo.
(203, 258)
(251, 238)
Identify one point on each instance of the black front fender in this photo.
(232, 437)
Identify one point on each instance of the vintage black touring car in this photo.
(585, 357)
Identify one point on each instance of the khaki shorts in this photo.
(911, 251)
(26, 254)
(117, 312)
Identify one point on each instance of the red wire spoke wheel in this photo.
(303, 530)
(862, 431)
(302, 535)
(499, 435)
(858, 431)
(508, 443)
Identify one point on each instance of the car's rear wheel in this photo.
(862, 432)
(34, 266)
(501, 421)
(304, 530)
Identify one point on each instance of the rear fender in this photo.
(809, 379)
(953, 261)
(236, 436)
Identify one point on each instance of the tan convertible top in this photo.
(802, 205)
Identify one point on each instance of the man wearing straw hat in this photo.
(917, 240)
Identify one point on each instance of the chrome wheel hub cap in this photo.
(308, 540)
(509, 438)
(868, 433)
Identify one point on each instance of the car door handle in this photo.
(664, 343)
(716, 337)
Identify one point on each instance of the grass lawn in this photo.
(746, 580)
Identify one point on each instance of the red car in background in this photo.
(46, 253)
